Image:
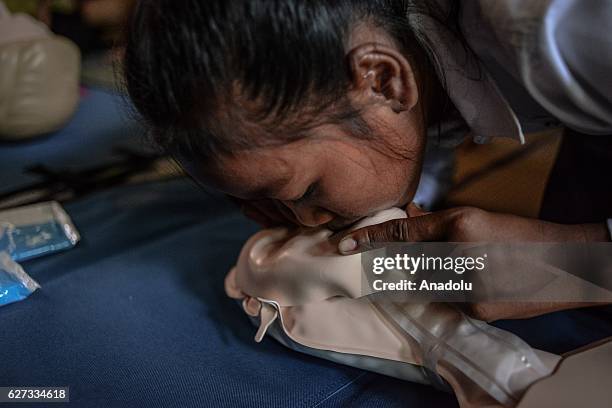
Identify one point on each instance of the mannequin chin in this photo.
(380, 217)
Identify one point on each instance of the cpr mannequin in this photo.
(39, 77)
(310, 298)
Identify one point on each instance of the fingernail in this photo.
(347, 244)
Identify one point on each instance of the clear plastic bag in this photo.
(38, 229)
(15, 284)
(499, 362)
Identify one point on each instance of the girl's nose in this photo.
(309, 216)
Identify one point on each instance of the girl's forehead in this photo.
(250, 173)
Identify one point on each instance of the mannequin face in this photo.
(329, 176)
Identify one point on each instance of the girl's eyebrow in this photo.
(264, 192)
(273, 189)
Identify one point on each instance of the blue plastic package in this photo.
(28, 232)
(38, 229)
(15, 284)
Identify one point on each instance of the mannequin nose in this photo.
(309, 216)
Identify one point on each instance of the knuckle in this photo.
(366, 237)
(464, 218)
(398, 230)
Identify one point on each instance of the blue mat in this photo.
(136, 315)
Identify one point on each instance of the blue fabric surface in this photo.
(136, 315)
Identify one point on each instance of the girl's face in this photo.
(329, 177)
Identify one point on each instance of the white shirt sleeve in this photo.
(565, 61)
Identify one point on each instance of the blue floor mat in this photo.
(136, 315)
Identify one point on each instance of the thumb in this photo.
(429, 227)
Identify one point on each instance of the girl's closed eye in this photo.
(307, 194)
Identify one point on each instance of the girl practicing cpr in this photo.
(318, 112)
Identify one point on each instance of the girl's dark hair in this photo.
(191, 65)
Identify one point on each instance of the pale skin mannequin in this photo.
(332, 179)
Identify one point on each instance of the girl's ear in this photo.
(382, 75)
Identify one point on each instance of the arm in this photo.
(474, 225)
